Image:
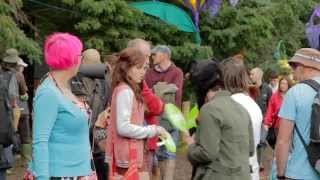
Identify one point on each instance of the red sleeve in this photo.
(269, 117)
(153, 102)
(178, 81)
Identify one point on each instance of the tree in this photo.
(255, 27)
(11, 36)
(108, 25)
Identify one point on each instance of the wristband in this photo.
(281, 177)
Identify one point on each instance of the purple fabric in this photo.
(195, 12)
(213, 6)
(196, 18)
(233, 2)
(313, 30)
(188, 4)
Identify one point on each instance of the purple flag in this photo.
(313, 29)
(213, 6)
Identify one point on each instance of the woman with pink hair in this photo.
(61, 148)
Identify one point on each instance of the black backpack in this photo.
(313, 148)
(6, 115)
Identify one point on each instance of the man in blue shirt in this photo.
(291, 156)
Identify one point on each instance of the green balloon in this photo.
(192, 116)
(168, 142)
(175, 117)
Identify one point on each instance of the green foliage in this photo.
(11, 36)
(109, 24)
(189, 51)
(255, 27)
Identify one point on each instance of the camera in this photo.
(94, 71)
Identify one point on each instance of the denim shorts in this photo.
(162, 153)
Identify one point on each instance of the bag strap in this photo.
(312, 83)
(301, 138)
(92, 145)
(315, 86)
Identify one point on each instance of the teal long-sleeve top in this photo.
(61, 145)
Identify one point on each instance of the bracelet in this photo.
(281, 177)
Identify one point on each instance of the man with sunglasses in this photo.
(291, 156)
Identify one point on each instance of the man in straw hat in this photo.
(292, 163)
(8, 103)
(9, 65)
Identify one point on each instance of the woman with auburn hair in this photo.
(272, 120)
(127, 132)
(61, 148)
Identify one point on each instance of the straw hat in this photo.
(308, 57)
(12, 56)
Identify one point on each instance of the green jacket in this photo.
(224, 141)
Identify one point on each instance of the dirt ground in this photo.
(183, 167)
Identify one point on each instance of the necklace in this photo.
(82, 106)
(60, 89)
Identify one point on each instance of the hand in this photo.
(24, 97)
(161, 131)
(266, 127)
(187, 138)
(103, 117)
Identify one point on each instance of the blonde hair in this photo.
(258, 75)
(137, 42)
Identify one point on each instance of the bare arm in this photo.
(284, 141)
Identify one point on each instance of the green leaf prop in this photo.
(168, 142)
(175, 117)
(192, 116)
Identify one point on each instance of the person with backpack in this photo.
(96, 93)
(8, 102)
(296, 120)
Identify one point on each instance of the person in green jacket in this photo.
(224, 141)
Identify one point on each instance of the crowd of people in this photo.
(102, 118)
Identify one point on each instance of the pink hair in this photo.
(62, 50)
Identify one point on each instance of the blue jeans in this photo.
(162, 153)
(2, 174)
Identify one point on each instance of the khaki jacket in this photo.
(224, 141)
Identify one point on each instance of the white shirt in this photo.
(124, 126)
(256, 117)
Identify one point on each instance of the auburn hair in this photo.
(128, 58)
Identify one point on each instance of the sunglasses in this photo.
(294, 66)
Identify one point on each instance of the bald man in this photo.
(95, 93)
(91, 56)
